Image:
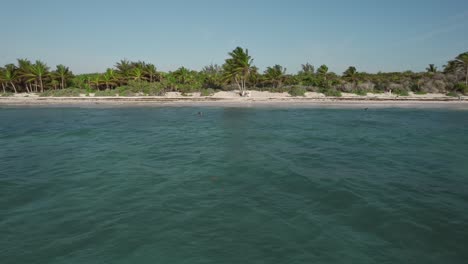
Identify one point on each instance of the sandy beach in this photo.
(256, 98)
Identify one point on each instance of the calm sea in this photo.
(235, 185)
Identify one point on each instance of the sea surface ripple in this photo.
(234, 185)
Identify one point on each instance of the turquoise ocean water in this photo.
(236, 185)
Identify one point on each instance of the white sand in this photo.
(257, 98)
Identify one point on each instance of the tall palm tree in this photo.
(10, 75)
(24, 68)
(63, 73)
(449, 67)
(124, 68)
(212, 76)
(109, 78)
(38, 71)
(322, 70)
(79, 81)
(431, 68)
(323, 74)
(96, 80)
(307, 69)
(238, 67)
(255, 77)
(138, 64)
(459, 64)
(306, 76)
(137, 74)
(275, 75)
(54, 83)
(2, 80)
(351, 75)
(182, 75)
(151, 71)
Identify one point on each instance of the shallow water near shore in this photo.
(234, 185)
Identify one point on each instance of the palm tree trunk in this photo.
(63, 82)
(3, 86)
(243, 86)
(466, 77)
(27, 87)
(238, 84)
(244, 80)
(14, 87)
(42, 85)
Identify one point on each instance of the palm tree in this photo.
(351, 75)
(137, 74)
(151, 71)
(109, 78)
(54, 83)
(459, 64)
(238, 68)
(2, 80)
(322, 73)
(124, 68)
(182, 75)
(307, 69)
(38, 71)
(79, 81)
(212, 76)
(275, 75)
(24, 68)
(10, 75)
(63, 73)
(431, 69)
(96, 80)
(255, 77)
(322, 70)
(449, 68)
(138, 64)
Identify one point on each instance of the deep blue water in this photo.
(237, 185)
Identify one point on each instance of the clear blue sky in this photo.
(372, 35)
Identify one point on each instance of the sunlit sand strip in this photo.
(232, 98)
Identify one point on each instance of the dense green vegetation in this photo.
(129, 78)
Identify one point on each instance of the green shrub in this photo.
(297, 91)
(134, 88)
(402, 93)
(333, 92)
(330, 92)
(377, 91)
(207, 92)
(282, 89)
(68, 92)
(420, 92)
(6, 94)
(361, 92)
(105, 93)
(453, 94)
(125, 90)
(461, 87)
(184, 88)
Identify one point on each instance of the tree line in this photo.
(238, 72)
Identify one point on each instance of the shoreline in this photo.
(256, 99)
(278, 101)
